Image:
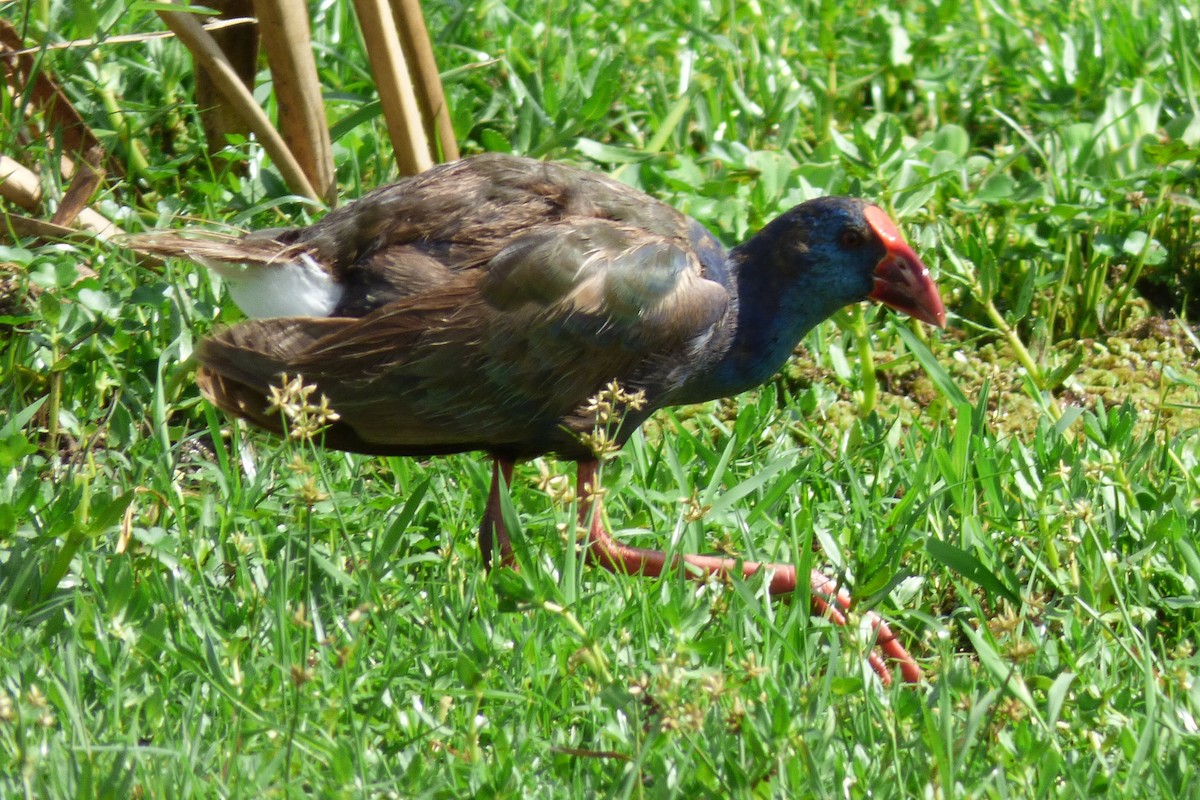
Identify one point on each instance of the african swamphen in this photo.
(485, 304)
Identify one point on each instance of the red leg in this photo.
(493, 519)
(827, 599)
(824, 589)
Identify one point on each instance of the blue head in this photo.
(797, 271)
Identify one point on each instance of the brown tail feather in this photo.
(239, 365)
(238, 399)
(257, 352)
(254, 249)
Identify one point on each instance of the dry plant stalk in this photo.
(396, 94)
(287, 39)
(21, 187)
(206, 51)
(414, 38)
(240, 45)
(21, 76)
(88, 177)
(83, 155)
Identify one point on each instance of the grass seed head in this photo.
(293, 400)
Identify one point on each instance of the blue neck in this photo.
(772, 311)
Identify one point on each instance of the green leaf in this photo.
(1057, 377)
(1000, 669)
(365, 113)
(95, 300)
(512, 588)
(19, 420)
(941, 379)
(142, 6)
(969, 567)
(1191, 559)
(603, 91)
(996, 188)
(106, 512)
(391, 540)
(468, 672)
(494, 142)
(607, 153)
(1056, 696)
(16, 255)
(952, 139)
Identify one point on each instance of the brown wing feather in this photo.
(486, 301)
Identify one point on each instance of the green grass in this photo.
(192, 609)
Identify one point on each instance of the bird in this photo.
(518, 307)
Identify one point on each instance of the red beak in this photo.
(902, 282)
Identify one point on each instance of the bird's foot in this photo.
(828, 600)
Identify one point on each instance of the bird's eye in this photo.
(851, 237)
